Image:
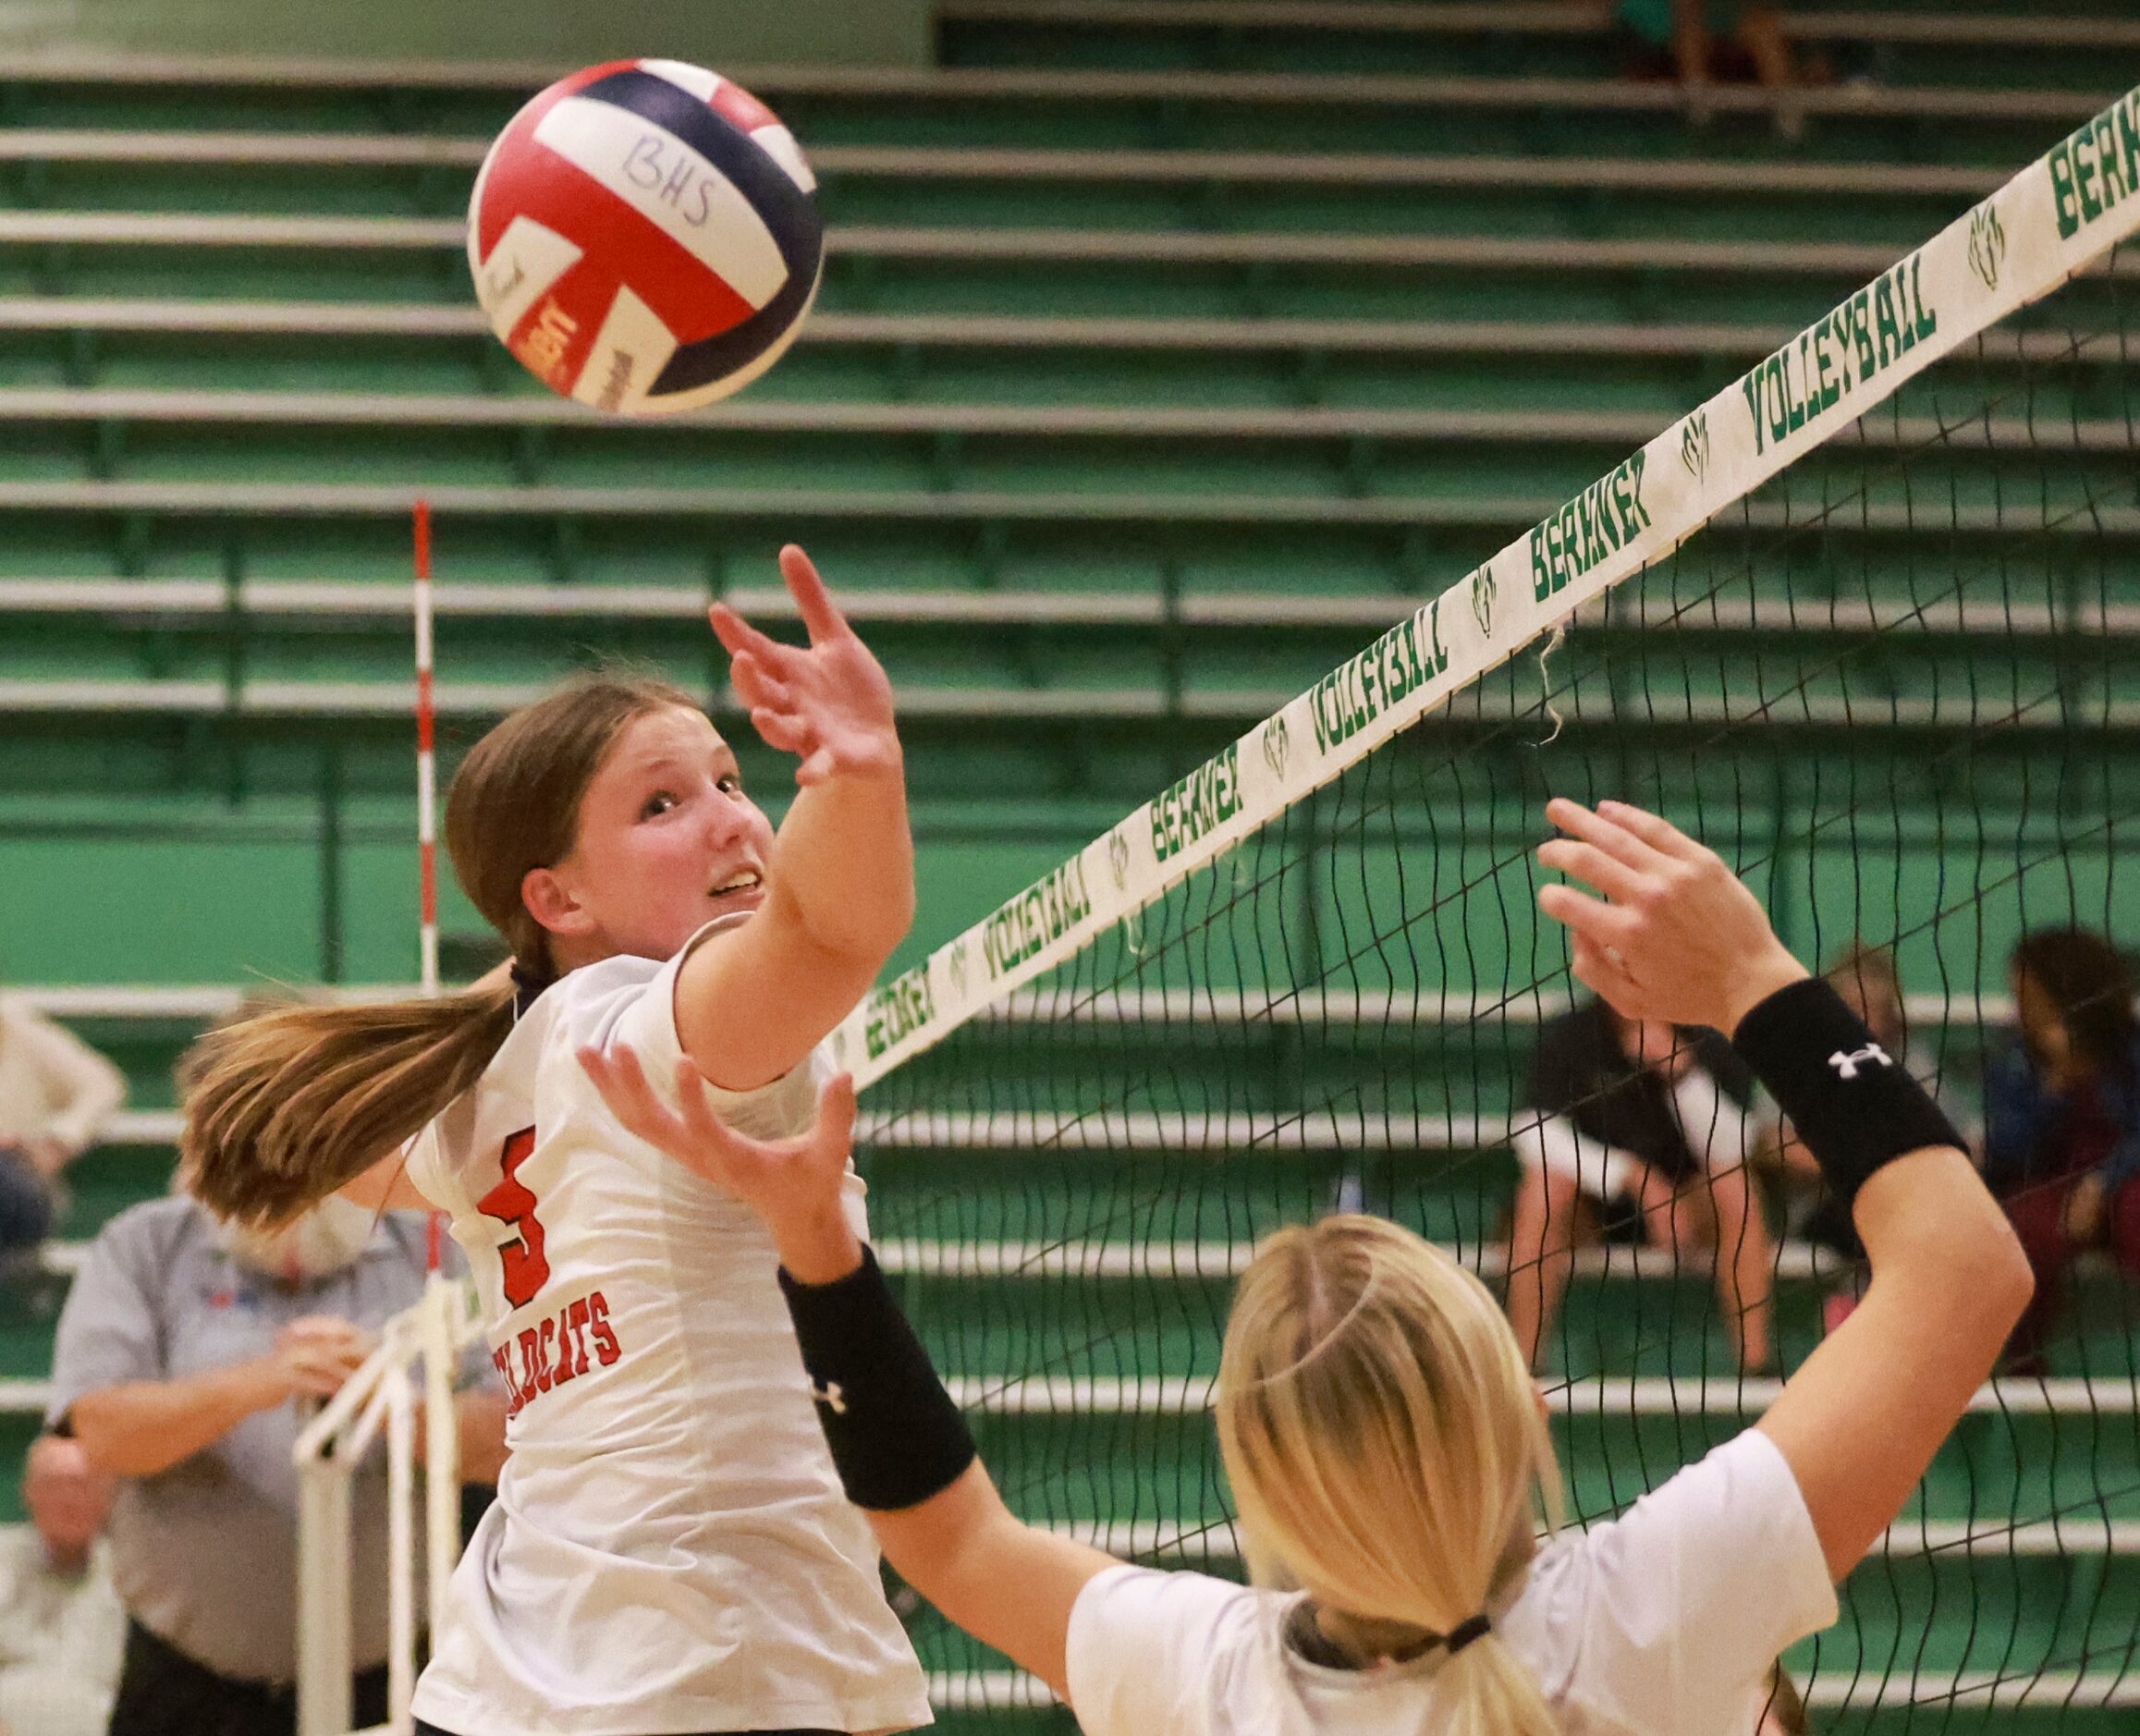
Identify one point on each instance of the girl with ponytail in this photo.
(1386, 1450)
(668, 1551)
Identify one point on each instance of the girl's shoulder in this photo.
(1147, 1648)
(1672, 1614)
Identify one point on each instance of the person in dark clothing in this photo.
(2062, 1119)
(1634, 1124)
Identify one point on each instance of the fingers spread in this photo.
(1656, 831)
(755, 685)
(700, 1120)
(1592, 865)
(1608, 836)
(1601, 968)
(737, 635)
(1591, 918)
(821, 616)
(629, 1092)
(780, 729)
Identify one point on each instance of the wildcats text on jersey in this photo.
(560, 1348)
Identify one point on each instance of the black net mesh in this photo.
(1897, 687)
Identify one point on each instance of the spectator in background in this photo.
(62, 1627)
(183, 1348)
(1643, 1128)
(55, 1095)
(2061, 1145)
(1700, 43)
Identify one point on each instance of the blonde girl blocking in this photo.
(1386, 1445)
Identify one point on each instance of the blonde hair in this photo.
(284, 1107)
(1386, 1446)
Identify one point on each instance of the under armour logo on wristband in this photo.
(830, 1396)
(1847, 1066)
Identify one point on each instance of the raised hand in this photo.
(830, 704)
(796, 1185)
(1676, 936)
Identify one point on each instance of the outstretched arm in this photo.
(752, 1005)
(1675, 936)
(1010, 1584)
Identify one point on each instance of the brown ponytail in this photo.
(284, 1107)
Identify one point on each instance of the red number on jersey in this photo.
(527, 1269)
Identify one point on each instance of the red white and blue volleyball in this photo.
(645, 237)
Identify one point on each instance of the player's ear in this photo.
(550, 901)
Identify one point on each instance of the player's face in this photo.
(667, 841)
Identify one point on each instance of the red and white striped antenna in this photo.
(426, 811)
(426, 761)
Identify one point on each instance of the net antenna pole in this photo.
(442, 1297)
(426, 763)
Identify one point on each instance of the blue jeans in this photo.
(25, 1204)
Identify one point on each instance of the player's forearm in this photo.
(141, 1427)
(1011, 1585)
(936, 1545)
(817, 1244)
(845, 867)
(1933, 1232)
(479, 1413)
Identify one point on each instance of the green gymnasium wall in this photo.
(844, 32)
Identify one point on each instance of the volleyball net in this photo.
(1864, 621)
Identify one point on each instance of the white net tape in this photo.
(2053, 221)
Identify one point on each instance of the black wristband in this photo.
(895, 1437)
(1853, 1104)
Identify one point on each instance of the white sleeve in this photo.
(1718, 1132)
(1691, 1595)
(1141, 1641)
(647, 1022)
(1557, 1146)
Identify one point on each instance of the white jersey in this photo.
(1663, 1622)
(671, 1550)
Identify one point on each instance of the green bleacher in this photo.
(1166, 351)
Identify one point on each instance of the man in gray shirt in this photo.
(182, 1352)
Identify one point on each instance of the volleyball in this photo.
(645, 237)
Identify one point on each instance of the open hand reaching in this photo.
(829, 703)
(1675, 936)
(796, 1185)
